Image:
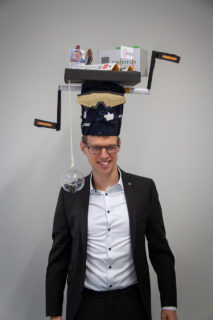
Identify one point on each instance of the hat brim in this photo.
(95, 98)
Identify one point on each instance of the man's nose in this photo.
(104, 153)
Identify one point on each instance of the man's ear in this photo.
(82, 146)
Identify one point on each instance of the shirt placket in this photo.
(108, 240)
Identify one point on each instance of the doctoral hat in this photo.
(102, 108)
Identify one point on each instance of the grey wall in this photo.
(166, 136)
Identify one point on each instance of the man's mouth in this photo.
(104, 163)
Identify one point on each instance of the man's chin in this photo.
(104, 169)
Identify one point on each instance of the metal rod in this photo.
(77, 87)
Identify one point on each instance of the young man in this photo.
(99, 234)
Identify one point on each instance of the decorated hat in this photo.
(102, 108)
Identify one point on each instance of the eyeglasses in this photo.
(112, 148)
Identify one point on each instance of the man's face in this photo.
(77, 55)
(103, 163)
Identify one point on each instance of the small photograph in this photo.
(89, 57)
(77, 56)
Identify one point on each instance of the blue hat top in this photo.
(101, 119)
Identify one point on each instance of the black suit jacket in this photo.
(67, 258)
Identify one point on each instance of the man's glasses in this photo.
(112, 148)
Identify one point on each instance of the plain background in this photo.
(166, 135)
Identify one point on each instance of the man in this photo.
(99, 233)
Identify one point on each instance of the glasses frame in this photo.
(103, 147)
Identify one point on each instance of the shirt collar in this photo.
(116, 187)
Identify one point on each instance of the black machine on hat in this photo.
(101, 100)
(102, 108)
(79, 76)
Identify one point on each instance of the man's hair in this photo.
(78, 51)
(84, 139)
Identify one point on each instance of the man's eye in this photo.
(111, 147)
(96, 148)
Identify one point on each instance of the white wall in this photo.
(166, 136)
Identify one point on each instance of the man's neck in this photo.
(102, 182)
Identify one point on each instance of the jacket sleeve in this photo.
(160, 253)
(58, 261)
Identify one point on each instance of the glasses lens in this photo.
(112, 148)
(97, 149)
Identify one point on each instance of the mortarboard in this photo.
(101, 108)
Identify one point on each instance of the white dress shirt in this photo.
(109, 263)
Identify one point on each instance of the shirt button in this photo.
(106, 194)
(109, 248)
(110, 286)
(108, 211)
(110, 267)
(108, 229)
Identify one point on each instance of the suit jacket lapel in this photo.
(130, 200)
(83, 201)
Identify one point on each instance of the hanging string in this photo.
(71, 144)
(72, 180)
